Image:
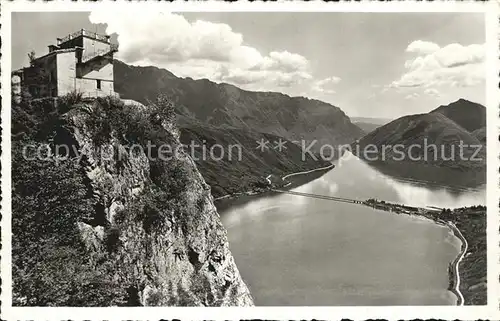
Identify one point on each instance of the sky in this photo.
(382, 65)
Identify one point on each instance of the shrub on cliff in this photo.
(70, 100)
(34, 118)
(153, 209)
(50, 264)
(131, 125)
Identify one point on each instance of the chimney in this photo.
(59, 41)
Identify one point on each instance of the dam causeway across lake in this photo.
(325, 197)
(378, 204)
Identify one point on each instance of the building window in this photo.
(98, 84)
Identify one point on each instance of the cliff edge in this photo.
(119, 222)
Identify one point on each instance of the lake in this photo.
(296, 250)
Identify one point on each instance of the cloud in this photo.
(453, 65)
(199, 49)
(246, 77)
(422, 47)
(432, 92)
(412, 96)
(168, 37)
(324, 85)
(283, 61)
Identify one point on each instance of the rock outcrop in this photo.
(154, 228)
(182, 260)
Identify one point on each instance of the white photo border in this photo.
(490, 311)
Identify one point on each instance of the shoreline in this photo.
(289, 185)
(306, 172)
(455, 287)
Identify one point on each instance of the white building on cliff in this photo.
(80, 62)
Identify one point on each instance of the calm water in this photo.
(295, 250)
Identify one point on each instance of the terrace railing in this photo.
(87, 33)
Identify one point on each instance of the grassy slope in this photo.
(231, 176)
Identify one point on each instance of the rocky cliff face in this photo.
(153, 230)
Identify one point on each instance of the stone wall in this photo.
(75, 42)
(92, 47)
(88, 87)
(101, 68)
(66, 71)
(92, 72)
(41, 78)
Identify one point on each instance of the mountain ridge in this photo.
(417, 135)
(470, 115)
(226, 105)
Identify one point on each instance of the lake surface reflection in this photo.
(295, 250)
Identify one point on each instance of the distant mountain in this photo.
(415, 157)
(227, 106)
(467, 114)
(368, 124)
(366, 127)
(371, 120)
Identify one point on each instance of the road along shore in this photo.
(455, 286)
(306, 172)
(300, 178)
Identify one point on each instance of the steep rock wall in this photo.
(164, 248)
